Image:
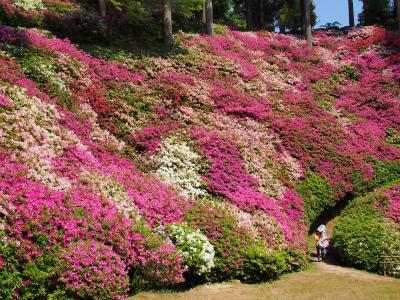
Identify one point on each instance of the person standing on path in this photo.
(321, 242)
(317, 242)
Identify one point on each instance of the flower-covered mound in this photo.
(194, 247)
(111, 169)
(369, 228)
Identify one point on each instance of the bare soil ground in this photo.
(320, 281)
(353, 273)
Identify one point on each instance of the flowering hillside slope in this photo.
(209, 164)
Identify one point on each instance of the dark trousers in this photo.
(321, 251)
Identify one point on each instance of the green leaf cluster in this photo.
(317, 194)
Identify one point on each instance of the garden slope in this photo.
(245, 136)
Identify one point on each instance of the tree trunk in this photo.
(303, 20)
(262, 21)
(102, 8)
(249, 14)
(110, 27)
(168, 39)
(351, 13)
(203, 14)
(365, 12)
(307, 21)
(398, 13)
(209, 17)
(282, 28)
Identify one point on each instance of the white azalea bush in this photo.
(28, 4)
(193, 246)
(180, 166)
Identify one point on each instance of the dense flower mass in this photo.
(212, 160)
(102, 276)
(194, 247)
(179, 165)
(28, 4)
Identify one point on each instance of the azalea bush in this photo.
(262, 264)
(28, 4)
(230, 241)
(99, 276)
(60, 16)
(393, 195)
(386, 173)
(80, 214)
(366, 230)
(160, 267)
(179, 165)
(317, 194)
(10, 276)
(193, 247)
(361, 241)
(41, 68)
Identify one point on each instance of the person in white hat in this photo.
(321, 242)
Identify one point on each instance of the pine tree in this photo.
(376, 12)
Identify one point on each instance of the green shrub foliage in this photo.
(262, 264)
(317, 195)
(362, 234)
(385, 173)
(10, 277)
(231, 242)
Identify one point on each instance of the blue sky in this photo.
(335, 10)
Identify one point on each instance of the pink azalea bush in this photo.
(99, 276)
(58, 220)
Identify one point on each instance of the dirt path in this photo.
(320, 281)
(351, 273)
